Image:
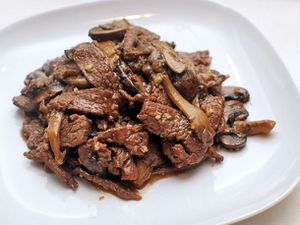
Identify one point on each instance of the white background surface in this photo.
(279, 21)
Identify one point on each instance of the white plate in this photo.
(244, 184)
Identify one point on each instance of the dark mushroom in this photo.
(232, 141)
(254, 127)
(127, 82)
(198, 119)
(233, 111)
(113, 31)
(235, 93)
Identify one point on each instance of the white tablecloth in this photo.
(278, 20)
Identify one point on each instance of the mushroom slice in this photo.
(233, 111)
(53, 131)
(114, 31)
(235, 93)
(198, 119)
(254, 127)
(173, 60)
(232, 141)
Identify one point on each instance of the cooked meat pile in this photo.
(126, 107)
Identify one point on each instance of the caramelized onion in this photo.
(53, 131)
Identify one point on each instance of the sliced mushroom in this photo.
(173, 60)
(232, 141)
(233, 111)
(53, 131)
(196, 116)
(254, 127)
(235, 93)
(112, 31)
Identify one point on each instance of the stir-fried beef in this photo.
(126, 107)
(89, 101)
(74, 130)
(95, 66)
(170, 124)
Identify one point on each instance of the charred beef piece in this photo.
(95, 66)
(74, 130)
(90, 101)
(170, 124)
(136, 42)
(108, 185)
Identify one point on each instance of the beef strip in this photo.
(36, 84)
(25, 103)
(74, 130)
(89, 101)
(33, 132)
(67, 72)
(159, 95)
(213, 106)
(122, 164)
(132, 137)
(38, 87)
(94, 156)
(145, 166)
(95, 66)
(108, 185)
(187, 84)
(213, 80)
(137, 42)
(170, 124)
(198, 58)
